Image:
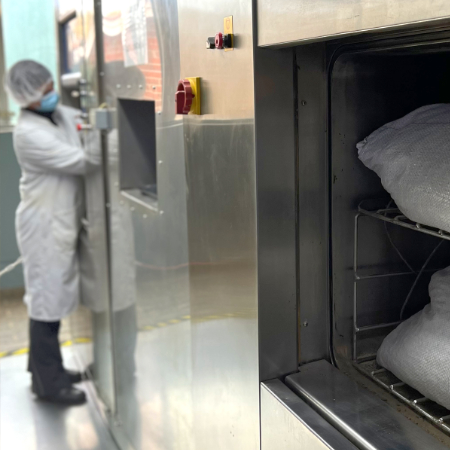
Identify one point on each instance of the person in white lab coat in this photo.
(48, 221)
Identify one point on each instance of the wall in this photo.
(29, 32)
(9, 199)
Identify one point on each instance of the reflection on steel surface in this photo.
(288, 423)
(196, 258)
(365, 419)
(134, 33)
(150, 67)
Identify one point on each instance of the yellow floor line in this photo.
(83, 340)
(23, 351)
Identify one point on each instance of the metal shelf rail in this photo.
(367, 364)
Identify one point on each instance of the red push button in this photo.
(219, 41)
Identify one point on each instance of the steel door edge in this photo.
(358, 413)
(309, 421)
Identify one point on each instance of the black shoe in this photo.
(74, 376)
(67, 396)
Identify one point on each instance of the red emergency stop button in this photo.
(219, 40)
(184, 97)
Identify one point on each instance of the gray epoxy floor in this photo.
(30, 424)
(14, 322)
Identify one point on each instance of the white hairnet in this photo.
(26, 81)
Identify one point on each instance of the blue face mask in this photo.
(49, 102)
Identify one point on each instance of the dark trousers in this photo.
(45, 360)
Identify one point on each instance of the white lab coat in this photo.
(48, 219)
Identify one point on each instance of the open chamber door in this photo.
(353, 243)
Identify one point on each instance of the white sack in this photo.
(412, 157)
(418, 350)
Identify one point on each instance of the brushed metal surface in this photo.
(361, 416)
(222, 253)
(313, 202)
(276, 168)
(293, 21)
(195, 248)
(94, 243)
(221, 212)
(288, 423)
(149, 253)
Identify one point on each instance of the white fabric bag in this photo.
(412, 157)
(418, 350)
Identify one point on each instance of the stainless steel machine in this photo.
(244, 266)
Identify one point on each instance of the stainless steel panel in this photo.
(94, 243)
(361, 416)
(287, 422)
(277, 212)
(313, 202)
(221, 212)
(151, 305)
(293, 21)
(149, 249)
(223, 293)
(195, 249)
